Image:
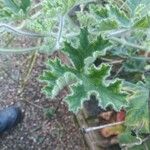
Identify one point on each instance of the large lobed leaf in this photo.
(84, 81)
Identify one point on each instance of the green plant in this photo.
(49, 112)
(83, 77)
(13, 9)
(47, 20)
(121, 51)
(108, 59)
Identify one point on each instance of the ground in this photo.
(36, 131)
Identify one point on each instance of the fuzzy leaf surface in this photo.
(108, 24)
(138, 107)
(86, 49)
(94, 83)
(84, 81)
(12, 5)
(119, 15)
(25, 4)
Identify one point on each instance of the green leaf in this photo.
(126, 137)
(142, 23)
(101, 12)
(65, 80)
(12, 5)
(62, 6)
(138, 107)
(24, 5)
(84, 81)
(94, 83)
(54, 76)
(16, 7)
(76, 98)
(109, 92)
(86, 48)
(108, 24)
(120, 16)
(134, 65)
(133, 4)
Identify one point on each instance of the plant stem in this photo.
(61, 25)
(116, 33)
(112, 61)
(124, 42)
(86, 130)
(20, 32)
(20, 50)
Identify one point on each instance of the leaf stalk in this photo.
(86, 130)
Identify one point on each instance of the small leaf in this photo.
(12, 5)
(108, 24)
(138, 107)
(24, 5)
(102, 12)
(119, 15)
(143, 23)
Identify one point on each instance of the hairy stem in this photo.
(116, 33)
(19, 50)
(86, 130)
(20, 32)
(125, 43)
(61, 25)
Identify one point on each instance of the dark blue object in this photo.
(9, 117)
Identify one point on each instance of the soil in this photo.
(36, 131)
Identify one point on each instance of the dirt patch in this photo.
(36, 132)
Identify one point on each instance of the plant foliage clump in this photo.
(108, 45)
(83, 77)
(124, 35)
